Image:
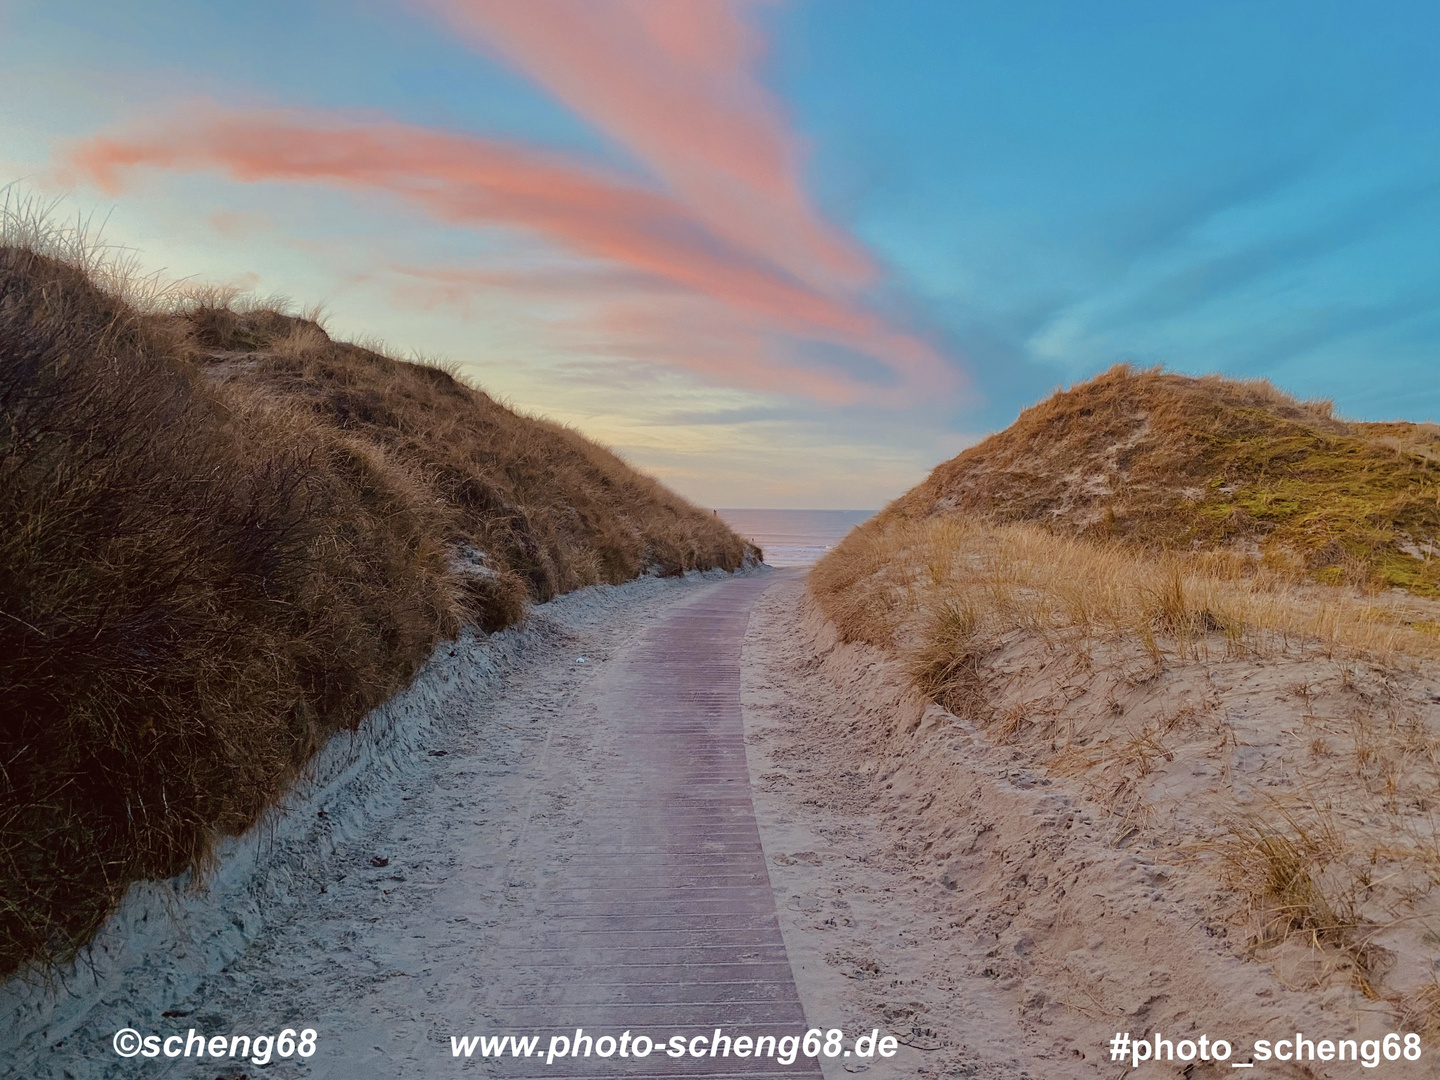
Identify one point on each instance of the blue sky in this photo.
(790, 253)
(1248, 188)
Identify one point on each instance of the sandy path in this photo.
(575, 848)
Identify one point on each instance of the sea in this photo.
(794, 537)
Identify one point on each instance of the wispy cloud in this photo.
(675, 84)
(1222, 280)
(467, 180)
(625, 316)
(713, 260)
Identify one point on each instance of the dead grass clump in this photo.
(1299, 883)
(224, 536)
(946, 667)
(1174, 614)
(1278, 870)
(1420, 1010)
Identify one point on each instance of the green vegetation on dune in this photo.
(224, 537)
(1170, 461)
(1353, 508)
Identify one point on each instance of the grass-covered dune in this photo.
(223, 537)
(1207, 612)
(1169, 461)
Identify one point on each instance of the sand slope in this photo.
(981, 903)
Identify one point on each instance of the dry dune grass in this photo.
(550, 510)
(986, 579)
(223, 537)
(1269, 732)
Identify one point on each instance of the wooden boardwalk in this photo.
(650, 908)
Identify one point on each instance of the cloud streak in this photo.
(719, 234)
(626, 316)
(674, 83)
(472, 181)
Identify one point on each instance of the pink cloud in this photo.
(474, 181)
(454, 285)
(674, 83)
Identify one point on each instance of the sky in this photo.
(779, 253)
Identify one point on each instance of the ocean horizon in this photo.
(793, 537)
